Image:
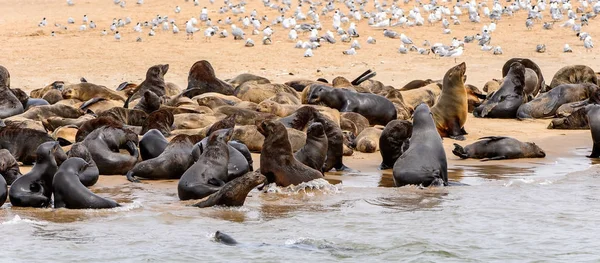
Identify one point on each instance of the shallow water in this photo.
(525, 210)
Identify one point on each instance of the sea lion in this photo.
(85, 91)
(573, 75)
(234, 192)
(9, 168)
(246, 77)
(578, 120)
(66, 134)
(424, 162)
(9, 104)
(285, 98)
(161, 120)
(193, 121)
(243, 149)
(377, 109)
(225, 239)
(505, 102)
(375, 86)
(451, 109)
(427, 94)
(547, 104)
(593, 117)
(99, 105)
(53, 96)
(237, 165)
(492, 86)
(90, 174)
(34, 189)
(254, 92)
(155, 82)
(226, 123)
(126, 116)
(213, 102)
(202, 79)
(56, 85)
(149, 102)
(415, 84)
(172, 163)
(70, 193)
(527, 63)
(314, 152)
(498, 148)
(89, 126)
(243, 116)
(209, 172)
(403, 110)
(3, 191)
(152, 144)
(393, 142)
(531, 83)
(104, 144)
(302, 84)
(40, 113)
(281, 110)
(22, 142)
(368, 140)
(474, 97)
(358, 120)
(277, 162)
(26, 101)
(54, 123)
(23, 123)
(568, 108)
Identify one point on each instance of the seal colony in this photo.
(203, 135)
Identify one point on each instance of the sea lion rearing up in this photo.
(498, 148)
(209, 173)
(314, 152)
(277, 162)
(9, 104)
(104, 144)
(155, 82)
(34, 189)
(451, 109)
(70, 193)
(377, 109)
(202, 79)
(424, 163)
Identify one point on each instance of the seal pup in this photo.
(498, 148)
(451, 109)
(9, 104)
(314, 152)
(9, 168)
(209, 173)
(368, 140)
(202, 79)
(34, 189)
(424, 162)
(505, 102)
(234, 192)
(70, 193)
(277, 162)
(394, 140)
(90, 173)
(578, 120)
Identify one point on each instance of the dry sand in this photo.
(34, 58)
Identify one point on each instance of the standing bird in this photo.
(117, 35)
(308, 53)
(350, 51)
(371, 40)
(175, 29)
(567, 49)
(208, 33)
(541, 48)
(293, 35)
(177, 10)
(190, 29)
(588, 44)
(405, 39)
(249, 43)
(237, 33)
(352, 30)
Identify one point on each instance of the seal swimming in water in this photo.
(234, 192)
(104, 144)
(424, 162)
(34, 189)
(9, 104)
(9, 168)
(314, 152)
(505, 102)
(377, 109)
(498, 148)
(225, 239)
(70, 193)
(393, 142)
(277, 162)
(202, 79)
(209, 173)
(547, 104)
(451, 109)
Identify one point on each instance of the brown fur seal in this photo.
(505, 102)
(498, 148)
(9, 168)
(492, 86)
(22, 143)
(34, 189)
(314, 152)
(193, 121)
(148, 103)
(155, 82)
(254, 140)
(39, 93)
(368, 140)
(286, 98)
(234, 193)
(358, 120)
(281, 110)
(86, 91)
(251, 91)
(415, 84)
(277, 162)
(67, 133)
(53, 96)
(126, 116)
(474, 97)
(424, 162)
(301, 85)
(427, 94)
(152, 144)
(88, 176)
(170, 164)
(26, 101)
(99, 105)
(578, 120)
(9, 104)
(39, 113)
(243, 116)
(202, 79)
(93, 124)
(451, 109)
(403, 110)
(573, 75)
(104, 144)
(70, 193)
(161, 120)
(393, 142)
(246, 77)
(527, 63)
(546, 104)
(209, 172)
(593, 116)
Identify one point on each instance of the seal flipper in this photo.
(460, 151)
(456, 132)
(132, 178)
(595, 151)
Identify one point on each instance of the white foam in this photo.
(307, 188)
(17, 220)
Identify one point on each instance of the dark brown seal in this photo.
(498, 148)
(314, 152)
(9, 168)
(9, 104)
(573, 75)
(527, 63)
(202, 79)
(234, 192)
(22, 142)
(155, 82)
(104, 144)
(394, 140)
(161, 120)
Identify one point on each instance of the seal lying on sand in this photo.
(424, 163)
(34, 189)
(9, 168)
(70, 193)
(548, 103)
(573, 75)
(22, 143)
(498, 148)
(9, 104)
(234, 192)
